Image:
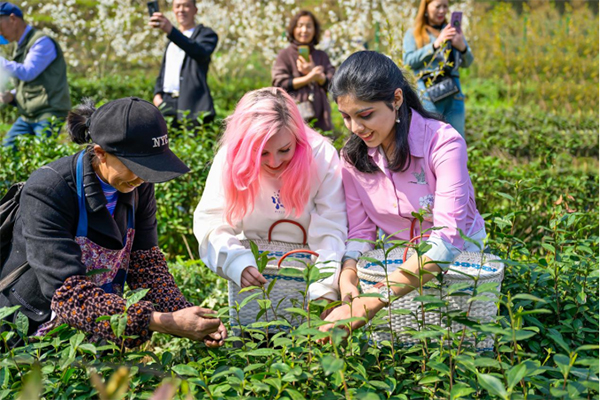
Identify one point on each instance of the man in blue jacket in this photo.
(39, 74)
(181, 84)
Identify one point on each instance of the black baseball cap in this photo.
(135, 132)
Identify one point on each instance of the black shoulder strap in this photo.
(13, 276)
(9, 206)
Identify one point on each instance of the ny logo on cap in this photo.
(160, 141)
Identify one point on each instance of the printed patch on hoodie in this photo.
(276, 198)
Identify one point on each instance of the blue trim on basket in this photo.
(285, 278)
(469, 289)
(280, 254)
(399, 261)
(475, 266)
(388, 261)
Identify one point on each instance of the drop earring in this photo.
(397, 116)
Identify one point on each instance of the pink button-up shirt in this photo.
(437, 180)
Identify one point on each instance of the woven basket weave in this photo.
(287, 291)
(467, 266)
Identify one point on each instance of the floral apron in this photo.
(104, 267)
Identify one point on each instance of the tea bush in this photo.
(536, 179)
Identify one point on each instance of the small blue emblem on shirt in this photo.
(277, 200)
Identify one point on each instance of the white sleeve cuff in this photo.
(363, 247)
(442, 251)
(319, 290)
(237, 265)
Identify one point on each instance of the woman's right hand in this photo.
(305, 67)
(251, 277)
(195, 323)
(445, 35)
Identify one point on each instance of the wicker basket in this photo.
(287, 291)
(466, 267)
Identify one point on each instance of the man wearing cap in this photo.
(39, 73)
(181, 84)
(87, 225)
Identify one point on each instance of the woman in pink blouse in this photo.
(399, 159)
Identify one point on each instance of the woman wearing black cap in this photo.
(87, 224)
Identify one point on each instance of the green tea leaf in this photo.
(136, 296)
(515, 374)
(526, 296)
(331, 364)
(249, 299)
(460, 390)
(22, 323)
(184, 370)
(493, 385)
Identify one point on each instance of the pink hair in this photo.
(259, 115)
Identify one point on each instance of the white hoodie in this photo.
(324, 219)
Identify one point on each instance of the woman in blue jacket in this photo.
(424, 50)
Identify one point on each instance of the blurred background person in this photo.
(181, 84)
(326, 42)
(39, 76)
(424, 50)
(306, 80)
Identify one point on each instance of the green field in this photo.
(533, 144)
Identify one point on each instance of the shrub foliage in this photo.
(536, 179)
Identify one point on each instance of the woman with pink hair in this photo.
(271, 166)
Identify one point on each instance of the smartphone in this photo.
(304, 52)
(455, 20)
(153, 7)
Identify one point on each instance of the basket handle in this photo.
(289, 253)
(414, 239)
(291, 222)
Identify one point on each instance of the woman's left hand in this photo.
(318, 75)
(343, 312)
(458, 42)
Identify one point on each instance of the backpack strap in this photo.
(13, 276)
(9, 206)
(82, 225)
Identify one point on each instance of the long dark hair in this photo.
(371, 77)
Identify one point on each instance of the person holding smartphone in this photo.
(425, 49)
(181, 84)
(305, 72)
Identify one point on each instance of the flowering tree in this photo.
(105, 36)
